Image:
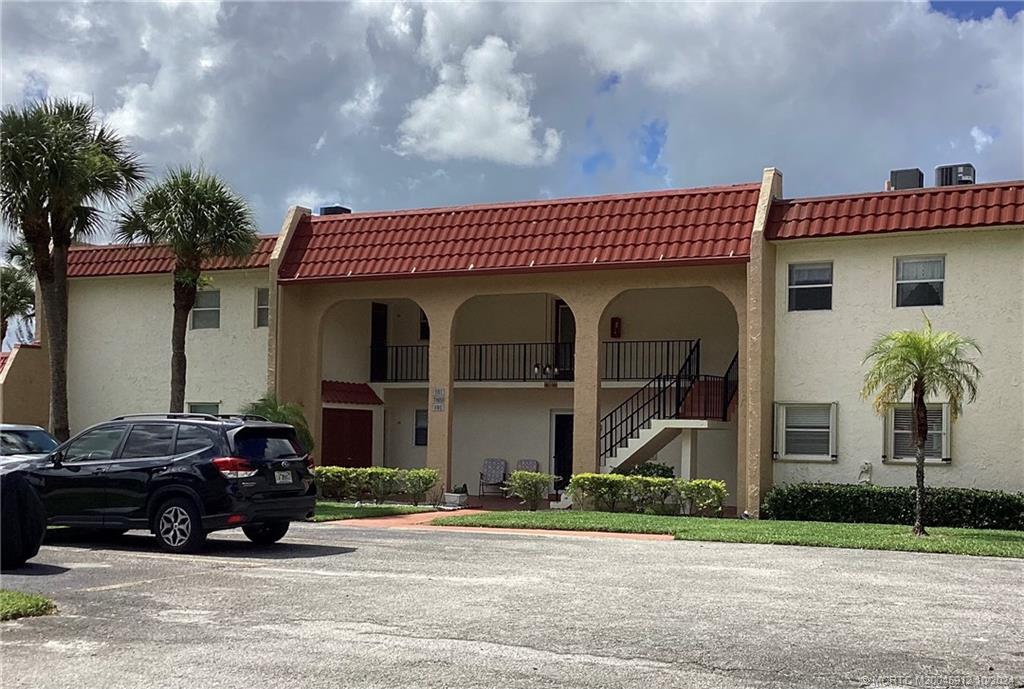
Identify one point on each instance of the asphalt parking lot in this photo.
(349, 606)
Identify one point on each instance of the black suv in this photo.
(178, 475)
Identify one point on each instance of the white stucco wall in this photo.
(119, 349)
(819, 353)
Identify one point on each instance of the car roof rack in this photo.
(243, 417)
(167, 415)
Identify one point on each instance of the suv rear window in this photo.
(266, 443)
(192, 438)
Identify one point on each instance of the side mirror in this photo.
(57, 458)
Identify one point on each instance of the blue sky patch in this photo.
(609, 82)
(651, 139)
(596, 162)
(976, 9)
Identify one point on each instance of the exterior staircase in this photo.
(663, 408)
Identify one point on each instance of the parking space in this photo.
(362, 607)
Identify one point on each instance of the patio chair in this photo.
(492, 476)
(528, 465)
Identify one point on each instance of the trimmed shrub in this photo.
(656, 494)
(614, 492)
(865, 503)
(381, 482)
(653, 469)
(416, 483)
(705, 496)
(531, 486)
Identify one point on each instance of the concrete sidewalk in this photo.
(421, 520)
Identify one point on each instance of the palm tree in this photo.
(199, 218)
(273, 409)
(925, 364)
(57, 168)
(17, 297)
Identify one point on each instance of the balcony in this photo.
(624, 361)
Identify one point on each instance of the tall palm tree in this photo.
(58, 168)
(17, 297)
(199, 218)
(923, 363)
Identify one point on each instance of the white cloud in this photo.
(479, 110)
(835, 94)
(982, 139)
(358, 111)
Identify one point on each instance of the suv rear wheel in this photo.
(265, 533)
(178, 527)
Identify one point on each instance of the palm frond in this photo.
(193, 212)
(940, 361)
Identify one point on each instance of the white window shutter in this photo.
(946, 444)
(888, 424)
(780, 430)
(833, 428)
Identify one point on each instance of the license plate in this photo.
(282, 477)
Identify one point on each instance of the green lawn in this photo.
(864, 536)
(14, 604)
(332, 511)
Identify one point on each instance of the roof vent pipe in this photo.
(334, 210)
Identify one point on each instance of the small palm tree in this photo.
(925, 364)
(17, 297)
(199, 217)
(273, 409)
(58, 169)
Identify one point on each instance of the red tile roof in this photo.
(3, 360)
(137, 259)
(704, 225)
(965, 206)
(338, 392)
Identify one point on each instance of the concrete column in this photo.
(688, 454)
(759, 381)
(284, 238)
(441, 317)
(586, 451)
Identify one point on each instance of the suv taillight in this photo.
(234, 467)
(310, 464)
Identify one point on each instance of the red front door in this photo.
(348, 438)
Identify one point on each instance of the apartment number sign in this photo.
(437, 399)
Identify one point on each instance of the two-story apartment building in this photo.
(720, 330)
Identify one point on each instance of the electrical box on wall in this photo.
(616, 327)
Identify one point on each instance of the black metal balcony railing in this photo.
(520, 361)
(399, 364)
(624, 360)
(643, 359)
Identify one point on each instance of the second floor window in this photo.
(920, 280)
(262, 307)
(206, 312)
(810, 286)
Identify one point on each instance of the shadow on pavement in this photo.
(139, 542)
(34, 569)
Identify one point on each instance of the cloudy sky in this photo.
(401, 105)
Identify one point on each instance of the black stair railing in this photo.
(660, 398)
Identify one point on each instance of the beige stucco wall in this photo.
(299, 359)
(25, 387)
(119, 346)
(819, 353)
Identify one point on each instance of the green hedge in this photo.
(531, 486)
(864, 503)
(378, 483)
(646, 494)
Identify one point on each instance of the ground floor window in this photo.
(900, 437)
(204, 408)
(420, 428)
(805, 430)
